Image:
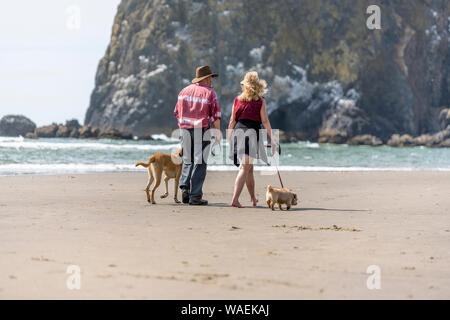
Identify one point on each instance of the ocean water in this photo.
(19, 156)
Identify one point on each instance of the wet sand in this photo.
(321, 249)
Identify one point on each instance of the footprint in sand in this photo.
(308, 228)
(41, 259)
(409, 268)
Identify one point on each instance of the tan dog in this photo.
(280, 196)
(156, 165)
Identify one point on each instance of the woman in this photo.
(249, 112)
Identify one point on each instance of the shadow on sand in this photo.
(328, 209)
(226, 205)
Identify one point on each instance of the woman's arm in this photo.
(266, 123)
(231, 124)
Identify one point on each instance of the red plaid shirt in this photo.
(197, 107)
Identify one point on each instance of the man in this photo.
(196, 108)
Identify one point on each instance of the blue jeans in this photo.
(195, 157)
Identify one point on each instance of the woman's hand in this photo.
(266, 123)
(275, 148)
(216, 141)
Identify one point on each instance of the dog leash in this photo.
(278, 171)
(279, 176)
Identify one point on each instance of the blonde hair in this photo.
(252, 87)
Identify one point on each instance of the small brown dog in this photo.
(156, 165)
(280, 196)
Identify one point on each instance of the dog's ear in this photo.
(269, 187)
(180, 153)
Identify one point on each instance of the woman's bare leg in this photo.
(250, 182)
(240, 181)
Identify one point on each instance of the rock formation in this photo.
(72, 129)
(327, 72)
(16, 125)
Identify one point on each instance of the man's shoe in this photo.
(198, 202)
(185, 196)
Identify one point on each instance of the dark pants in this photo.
(195, 157)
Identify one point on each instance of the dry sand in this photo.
(129, 249)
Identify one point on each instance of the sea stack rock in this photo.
(356, 81)
(16, 125)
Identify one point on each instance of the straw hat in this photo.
(203, 73)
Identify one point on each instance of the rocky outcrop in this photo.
(115, 134)
(338, 137)
(72, 129)
(438, 140)
(16, 125)
(444, 118)
(87, 132)
(69, 130)
(338, 76)
(345, 117)
(401, 141)
(47, 131)
(332, 136)
(423, 140)
(365, 140)
(445, 144)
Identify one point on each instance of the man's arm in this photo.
(216, 114)
(175, 110)
(218, 134)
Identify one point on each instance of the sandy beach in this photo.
(129, 249)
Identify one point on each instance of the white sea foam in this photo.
(56, 156)
(268, 169)
(313, 145)
(58, 168)
(11, 139)
(164, 137)
(45, 145)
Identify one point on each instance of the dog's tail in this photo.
(146, 165)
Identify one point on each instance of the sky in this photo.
(49, 53)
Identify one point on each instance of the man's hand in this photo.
(217, 133)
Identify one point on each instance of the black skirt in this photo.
(249, 144)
